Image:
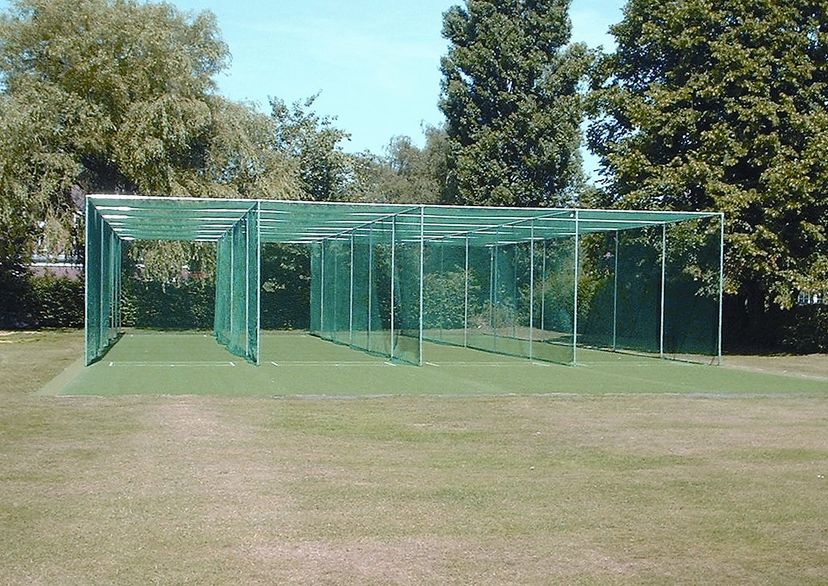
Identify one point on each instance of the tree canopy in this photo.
(119, 96)
(511, 100)
(721, 105)
(405, 173)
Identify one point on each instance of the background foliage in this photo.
(722, 106)
(511, 100)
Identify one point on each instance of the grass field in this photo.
(696, 485)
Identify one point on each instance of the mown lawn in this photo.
(466, 489)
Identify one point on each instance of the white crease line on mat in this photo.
(171, 364)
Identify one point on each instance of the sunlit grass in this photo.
(498, 489)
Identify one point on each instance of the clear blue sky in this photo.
(375, 62)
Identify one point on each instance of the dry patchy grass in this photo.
(199, 489)
(812, 366)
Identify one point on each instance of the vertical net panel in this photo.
(92, 275)
(117, 293)
(480, 323)
(101, 269)
(221, 320)
(252, 251)
(432, 289)
(639, 290)
(379, 327)
(107, 283)
(328, 293)
(444, 291)
(339, 258)
(597, 293)
(361, 307)
(315, 288)
(238, 279)
(554, 296)
(691, 302)
(236, 322)
(506, 294)
(406, 278)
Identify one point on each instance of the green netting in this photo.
(619, 305)
(507, 290)
(237, 288)
(652, 291)
(366, 284)
(406, 309)
(315, 308)
(554, 299)
(691, 304)
(445, 290)
(384, 277)
(103, 285)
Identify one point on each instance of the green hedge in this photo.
(59, 302)
(28, 301)
(808, 330)
(150, 304)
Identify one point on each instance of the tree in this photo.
(722, 106)
(405, 174)
(118, 96)
(314, 143)
(511, 100)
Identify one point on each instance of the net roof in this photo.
(207, 219)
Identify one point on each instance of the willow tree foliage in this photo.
(510, 96)
(721, 105)
(118, 96)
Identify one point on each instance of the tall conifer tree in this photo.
(510, 96)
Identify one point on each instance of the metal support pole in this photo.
(246, 226)
(393, 269)
(494, 294)
(258, 283)
(721, 287)
(575, 294)
(663, 271)
(335, 325)
(615, 297)
(370, 284)
(118, 278)
(514, 289)
(102, 335)
(466, 299)
(351, 298)
(87, 282)
(422, 273)
(230, 287)
(531, 286)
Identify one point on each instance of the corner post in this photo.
(393, 270)
(575, 294)
(615, 297)
(721, 287)
(663, 272)
(466, 298)
(531, 287)
(351, 298)
(422, 273)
